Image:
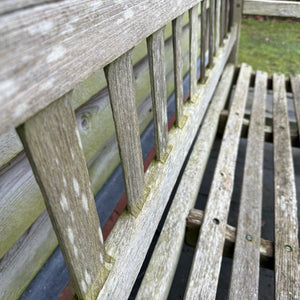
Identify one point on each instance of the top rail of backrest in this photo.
(275, 8)
(46, 49)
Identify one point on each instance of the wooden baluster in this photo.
(178, 68)
(156, 55)
(119, 75)
(193, 14)
(211, 32)
(52, 143)
(218, 24)
(203, 40)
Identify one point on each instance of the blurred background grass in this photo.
(271, 45)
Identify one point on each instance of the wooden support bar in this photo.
(156, 55)
(203, 279)
(295, 81)
(52, 143)
(193, 225)
(164, 259)
(211, 32)
(178, 68)
(122, 98)
(218, 25)
(193, 14)
(285, 200)
(203, 40)
(247, 246)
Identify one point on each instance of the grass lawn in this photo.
(272, 46)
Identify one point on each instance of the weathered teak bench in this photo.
(47, 51)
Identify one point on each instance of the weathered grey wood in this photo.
(20, 197)
(268, 128)
(193, 225)
(63, 43)
(247, 247)
(20, 256)
(211, 32)
(122, 98)
(227, 17)
(295, 82)
(236, 19)
(156, 56)
(223, 16)
(203, 40)
(272, 8)
(218, 25)
(285, 200)
(193, 13)
(131, 236)
(167, 251)
(178, 68)
(203, 279)
(52, 143)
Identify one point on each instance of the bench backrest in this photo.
(46, 51)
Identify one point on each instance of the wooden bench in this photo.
(62, 63)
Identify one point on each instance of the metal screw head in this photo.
(249, 237)
(288, 248)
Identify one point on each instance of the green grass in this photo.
(272, 46)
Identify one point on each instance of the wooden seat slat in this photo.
(203, 279)
(285, 200)
(247, 246)
(164, 259)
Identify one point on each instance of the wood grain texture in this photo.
(131, 236)
(156, 58)
(178, 68)
(218, 25)
(59, 45)
(285, 199)
(193, 225)
(295, 82)
(247, 252)
(272, 8)
(203, 279)
(193, 13)
(119, 76)
(167, 251)
(211, 32)
(52, 143)
(12, 282)
(203, 40)
(20, 197)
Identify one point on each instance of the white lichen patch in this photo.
(100, 235)
(70, 235)
(56, 53)
(64, 203)
(78, 138)
(57, 161)
(83, 285)
(87, 277)
(72, 217)
(72, 154)
(85, 202)
(64, 181)
(41, 27)
(129, 13)
(75, 251)
(101, 258)
(76, 186)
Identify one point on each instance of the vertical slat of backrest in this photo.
(247, 247)
(203, 40)
(156, 55)
(237, 10)
(211, 32)
(119, 75)
(226, 18)
(193, 15)
(285, 199)
(218, 24)
(52, 143)
(295, 81)
(178, 68)
(223, 16)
